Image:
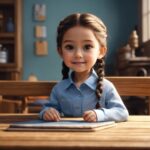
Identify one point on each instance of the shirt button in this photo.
(80, 94)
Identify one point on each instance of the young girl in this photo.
(83, 92)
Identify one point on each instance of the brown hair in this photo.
(99, 29)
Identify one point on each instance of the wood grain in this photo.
(26, 88)
(132, 86)
(126, 86)
(131, 135)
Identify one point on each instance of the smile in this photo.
(78, 62)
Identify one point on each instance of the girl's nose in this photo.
(78, 53)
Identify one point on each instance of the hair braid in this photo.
(99, 67)
(65, 71)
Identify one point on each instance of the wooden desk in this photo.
(134, 134)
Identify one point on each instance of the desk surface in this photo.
(134, 134)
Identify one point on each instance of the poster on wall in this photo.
(40, 31)
(40, 12)
(41, 48)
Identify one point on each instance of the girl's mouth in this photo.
(77, 62)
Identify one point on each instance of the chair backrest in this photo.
(126, 86)
(132, 86)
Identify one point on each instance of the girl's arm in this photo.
(53, 103)
(114, 108)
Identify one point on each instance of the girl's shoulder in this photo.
(109, 88)
(108, 84)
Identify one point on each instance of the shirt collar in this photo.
(90, 82)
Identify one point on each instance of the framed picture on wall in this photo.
(40, 31)
(41, 48)
(39, 12)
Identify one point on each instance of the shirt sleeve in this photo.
(114, 109)
(53, 102)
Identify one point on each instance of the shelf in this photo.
(11, 41)
(140, 59)
(6, 65)
(7, 35)
(6, 2)
(7, 42)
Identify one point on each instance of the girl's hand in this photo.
(90, 116)
(51, 115)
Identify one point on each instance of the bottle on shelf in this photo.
(10, 25)
(3, 54)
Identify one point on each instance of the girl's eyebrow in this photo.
(88, 41)
(72, 41)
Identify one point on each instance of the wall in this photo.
(120, 17)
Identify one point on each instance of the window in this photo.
(145, 20)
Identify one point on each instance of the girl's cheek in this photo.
(89, 57)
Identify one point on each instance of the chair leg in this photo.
(25, 105)
(148, 99)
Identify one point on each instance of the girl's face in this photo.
(80, 49)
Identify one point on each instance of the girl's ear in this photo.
(59, 52)
(103, 51)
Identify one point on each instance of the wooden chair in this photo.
(126, 86)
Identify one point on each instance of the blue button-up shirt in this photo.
(72, 101)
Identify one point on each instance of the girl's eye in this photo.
(87, 47)
(69, 47)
